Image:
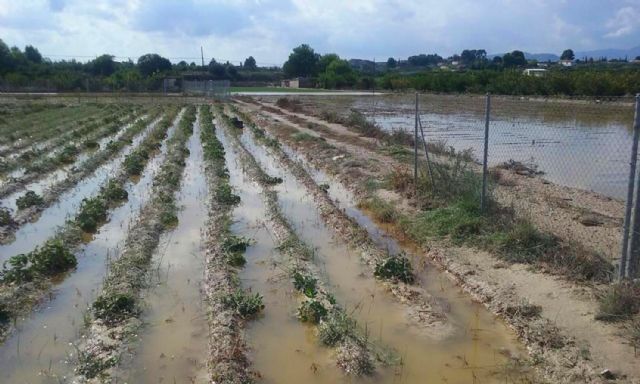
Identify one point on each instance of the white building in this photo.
(537, 72)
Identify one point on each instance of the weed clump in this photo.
(620, 302)
(335, 328)
(114, 191)
(395, 268)
(92, 212)
(311, 311)
(305, 284)
(29, 199)
(134, 163)
(523, 243)
(114, 308)
(244, 304)
(5, 217)
(225, 195)
(234, 247)
(68, 154)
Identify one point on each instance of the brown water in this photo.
(474, 352)
(582, 145)
(30, 235)
(172, 347)
(41, 350)
(283, 350)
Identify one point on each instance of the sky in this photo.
(268, 29)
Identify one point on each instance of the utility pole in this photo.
(202, 55)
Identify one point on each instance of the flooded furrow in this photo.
(477, 349)
(39, 351)
(30, 235)
(283, 350)
(172, 346)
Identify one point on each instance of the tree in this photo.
(32, 54)
(151, 63)
(338, 74)
(325, 60)
(473, 56)
(6, 61)
(303, 61)
(567, 54)
(514, 59)
(250, 63)
(103, 65)
(423, 60)
(391, 63)
(217, 69)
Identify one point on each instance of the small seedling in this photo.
(305, 284)
(29, 199)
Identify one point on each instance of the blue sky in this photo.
(269, 29)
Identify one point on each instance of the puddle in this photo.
(37, 352)
(475, 352)
(33, 234)
(173, 345)
(283, 350)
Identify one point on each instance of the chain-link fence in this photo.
(219, 89)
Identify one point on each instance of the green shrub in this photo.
(5, 217)
(29, 199)
(114, 308)
(17, 270)
(52, 258)
(620, 302)
(395, 268)
(243, 304)
(271, 180)
(134, 163)
(335, 328)
(225, 195)
(305, 284)
(311, 311)
(234, 247)
(114, 191)
(92, 212)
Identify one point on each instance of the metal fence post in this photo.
(487, 113)
(415, 152)
(629, 262)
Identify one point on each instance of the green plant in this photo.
(29, 199)
(92, 212)
(5, 217)
(395, 268)
(311, 311)
(271, 180)
(68, 154)
(19, 270)
(91, 144)
(620, 302)
(383, 211)
(522, 242)
(305, 284)
(225, 195)
(113, 191)
(114, 308)
(243, 303)
(52, 258)
(134, 163)
(234, 247)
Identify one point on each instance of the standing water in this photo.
(479, 345)
(173, 344)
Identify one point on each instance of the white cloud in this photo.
(625, 22)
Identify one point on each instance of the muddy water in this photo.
(57, 175)
(474, 352)
(586, 146)
(38, 351)
(283, 350)
(33, 234)
(172, 347)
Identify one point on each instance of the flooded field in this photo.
(206, 250)
(582, 145)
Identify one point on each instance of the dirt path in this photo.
(498, 285)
